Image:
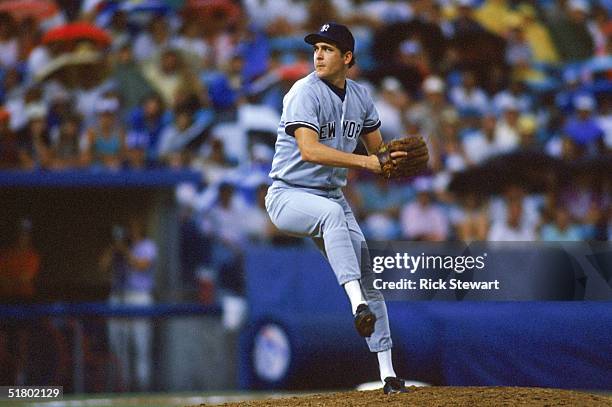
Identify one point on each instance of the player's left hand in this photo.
(405, 157)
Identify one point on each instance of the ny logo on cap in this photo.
(325, 27)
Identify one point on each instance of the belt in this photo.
(326, 189)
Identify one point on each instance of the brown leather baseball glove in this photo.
(407, 166)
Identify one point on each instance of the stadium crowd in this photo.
(104, 85)
(512, 96)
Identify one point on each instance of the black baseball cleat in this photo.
(364, 321)
(394, 385)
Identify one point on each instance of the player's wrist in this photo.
(372, 163)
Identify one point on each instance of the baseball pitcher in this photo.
(324, 116)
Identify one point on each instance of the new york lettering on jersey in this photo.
(339, 122)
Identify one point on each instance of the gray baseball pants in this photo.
(326, 217)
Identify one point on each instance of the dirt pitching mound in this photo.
(442, 396)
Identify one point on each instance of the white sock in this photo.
(385, 365)
(353, 290)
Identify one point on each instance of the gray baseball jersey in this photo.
(339, 123)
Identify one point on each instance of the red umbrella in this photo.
(211, 9)
(77, 31)
(21, 9)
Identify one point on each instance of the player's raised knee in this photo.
(333, 215)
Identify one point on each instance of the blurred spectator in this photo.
(226, 87)
(506, 131)
(427, 117)
(390, 106)
(118, 27)
(409, 65)
(468, 96)
(514, 228)
(561, 229)
(379, 205)
(422, 219)
(18, 104)
(566, 95)
(472, 220)
(582, 128)
(9, 46)
(34, 139)
(495, 15)
(604, 120)
(215, 163)
(146, 123)
(271, 16)
(465, 21)
(12, 87)
(105, 141)
(429, 112)
(584, 203)
(527, 128)
(571, 34)
(518, 49)
(10, 154)
(225, 221)
(65, 151)
(132, 86)
(537, 35)
(498, 206)
(176, 137)
(452, 157)
(150, 44)
(190, 43)
(20, 265)
(131, 261)
(258, 226)
(168, 74)
(516, 92)
(385, 12)
(600, 28)
(29, 35)
(479, 145)
(413, 54)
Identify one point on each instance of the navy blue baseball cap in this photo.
(336, 34)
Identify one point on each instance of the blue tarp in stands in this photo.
(521, 343)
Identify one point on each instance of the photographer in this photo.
(131, 260)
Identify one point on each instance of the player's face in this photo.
(329, 62)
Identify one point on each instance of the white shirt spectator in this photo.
(9, 51)
(498, 209)
(388, 11)
(228, 223)
(264, 12)
(391, 120)
(502, 232)
(145, 49)
(505, 98)
(196, 49)
(418, 221)
(478, 148)
(506, 137)
(605, 123)
(469, 100)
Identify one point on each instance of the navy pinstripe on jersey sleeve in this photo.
(291, 127)
(370, 129)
